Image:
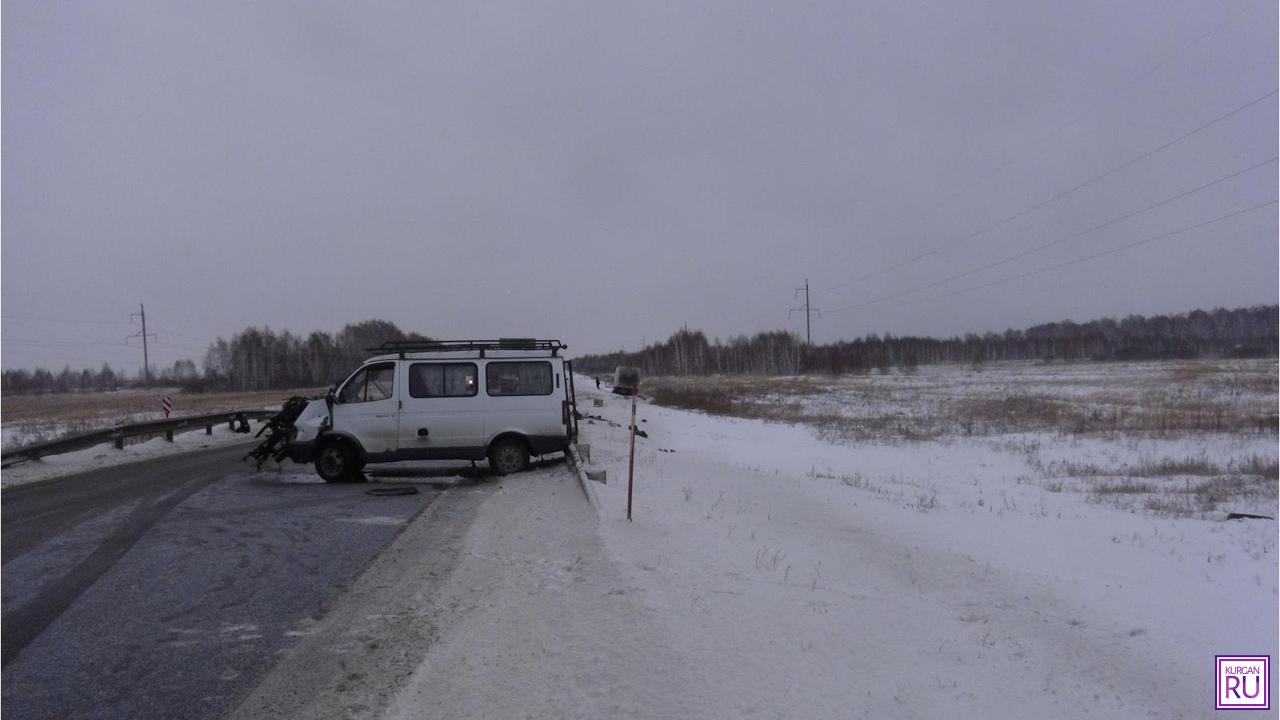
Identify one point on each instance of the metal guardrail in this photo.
(117, 435)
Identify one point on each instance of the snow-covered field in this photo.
(998, 398)
(1182, 437)
(35, 418)
(960, 573)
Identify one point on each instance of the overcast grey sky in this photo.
(604, 174)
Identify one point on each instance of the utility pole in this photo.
(808, 330)
(146, 365)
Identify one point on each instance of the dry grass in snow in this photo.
(35, 418)
(1180, 437)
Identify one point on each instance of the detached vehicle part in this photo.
(279, 430)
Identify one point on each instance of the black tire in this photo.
(336, 462)
(507, 456)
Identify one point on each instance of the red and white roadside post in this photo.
(631, 465)
(626, 381)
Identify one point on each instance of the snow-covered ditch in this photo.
(953, 577)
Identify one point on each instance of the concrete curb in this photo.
(576, 460)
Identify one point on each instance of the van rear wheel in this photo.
(508, 456)
(336, 462)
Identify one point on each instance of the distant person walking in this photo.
(597, 382)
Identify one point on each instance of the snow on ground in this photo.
(106, 455)
(769, 573)
(931, 579)
(934, 401)
(28, 419)
(537, 622)
(46, 417)
(25, 433)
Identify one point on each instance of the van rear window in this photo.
(518, 378)
(443, 380)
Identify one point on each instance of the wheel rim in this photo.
(331, 461)
(509, 458)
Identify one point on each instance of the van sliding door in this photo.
(524, 398)
(442, 413)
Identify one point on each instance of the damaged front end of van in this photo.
(294, 432)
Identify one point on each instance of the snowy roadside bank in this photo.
(920, 579)
(99, 456)
(535, 621)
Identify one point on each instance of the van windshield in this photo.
(372, 383)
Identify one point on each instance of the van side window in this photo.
(375, 382)
(443, 380)
(518, 378)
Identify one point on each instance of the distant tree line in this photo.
(256, 359)
(1242, 332)
(253, 359)
(68, 380)
(262, 359)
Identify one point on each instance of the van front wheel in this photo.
(508, 456)
(335, 462)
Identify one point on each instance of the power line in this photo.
(28, 318)
(1034, 144)
(57, 352)
(1059, 241)
(1096, 178)
(190, 338)
(1165, 60)
(77, 321)
(119, 343)
(68, 359)
(65, 343)
(1103, 253)
(1094, 256)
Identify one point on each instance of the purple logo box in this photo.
(1242, 682)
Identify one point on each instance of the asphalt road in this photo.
(167, 588)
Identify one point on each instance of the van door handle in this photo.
(422, 432)
(387, 415)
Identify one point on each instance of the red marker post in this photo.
(631, 466)
(627, 382)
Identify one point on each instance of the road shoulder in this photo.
(497, 601)
(537, 621)
(353, 659)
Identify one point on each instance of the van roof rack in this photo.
(407, 346)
